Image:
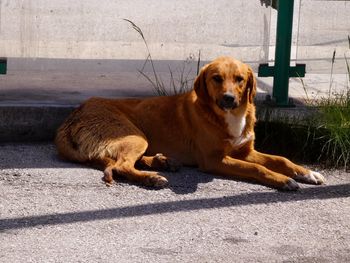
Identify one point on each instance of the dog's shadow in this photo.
(186, 180)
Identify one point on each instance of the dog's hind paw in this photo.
(166, 163)
(156, 181)
(108, 176)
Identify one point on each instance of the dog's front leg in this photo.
(235, 168)
(284, 166)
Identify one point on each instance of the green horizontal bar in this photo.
(266, 71)
(3, 65)
(269, 71)
(297, 71)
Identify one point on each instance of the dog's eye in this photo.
(217, 78)
(239, 79)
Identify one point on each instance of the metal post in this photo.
(283, 50)
(281, 71)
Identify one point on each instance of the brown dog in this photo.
(211, 127)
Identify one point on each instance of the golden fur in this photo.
(211, 127)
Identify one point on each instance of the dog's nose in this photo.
(228, 101)
(228, 98)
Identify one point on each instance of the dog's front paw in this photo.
(311, 178)
(290, 185)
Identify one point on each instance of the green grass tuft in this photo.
(331, 124)
(334, 119)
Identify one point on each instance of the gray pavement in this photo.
(54, 211)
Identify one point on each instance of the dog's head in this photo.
(226, 83)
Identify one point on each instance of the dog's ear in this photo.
(251, 85)
(200, 86)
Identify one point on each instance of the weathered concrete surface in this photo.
(96, 29)
(53, 211)
(31, 123)
(176, 30)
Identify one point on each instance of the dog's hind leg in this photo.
(159, 162)
(126, 152)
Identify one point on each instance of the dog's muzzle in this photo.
(227, 102)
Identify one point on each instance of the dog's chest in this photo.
(235, 127)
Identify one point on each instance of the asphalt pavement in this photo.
(54, 211)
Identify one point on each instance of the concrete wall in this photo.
(95, 29)
(175, 30)
(324, 26)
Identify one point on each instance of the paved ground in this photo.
(53, 211)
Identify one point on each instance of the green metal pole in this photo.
(3, 65)
(283, 50)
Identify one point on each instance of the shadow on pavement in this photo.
(313, 193)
